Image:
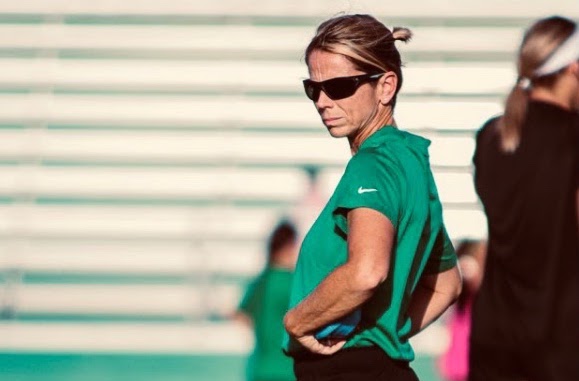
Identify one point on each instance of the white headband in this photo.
(565, 54)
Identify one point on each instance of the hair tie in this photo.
(524, 83)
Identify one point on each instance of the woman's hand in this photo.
(324, 347)
(307, 340)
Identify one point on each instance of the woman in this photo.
(265, 303)
(526, 315)
(379, 248)
(453, 364)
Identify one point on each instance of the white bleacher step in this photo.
(232, 112)
(195, 224)
(452, 151)
(455, 187)
(301, 8)
(220, 183)
(171, 147)
(132, 258)
(237, 38)
(176, 184)
(189, 301)
(465, 224)
(123, 222)
(203, 148)
(235, 77)
(167, 338)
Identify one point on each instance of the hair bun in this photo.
(401, 34)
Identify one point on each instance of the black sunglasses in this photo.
(337, 88)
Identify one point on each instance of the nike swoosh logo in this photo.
(366, 190)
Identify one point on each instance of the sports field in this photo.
(106, 367)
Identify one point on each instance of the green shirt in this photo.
(391, 174)
(266, 301)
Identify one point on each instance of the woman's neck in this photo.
(364, 132)
(561, 94)
(548, 97)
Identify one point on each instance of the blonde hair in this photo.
(539, 42)
(365, 41)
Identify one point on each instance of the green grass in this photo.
(107, 367)
(131, 367)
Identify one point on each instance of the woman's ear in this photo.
(387, 87)
(575, 68)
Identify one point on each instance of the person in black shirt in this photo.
(526, 316)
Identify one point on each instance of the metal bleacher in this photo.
(147, 147)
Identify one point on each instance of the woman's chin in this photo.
(338, 132)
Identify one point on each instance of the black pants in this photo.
(529, 362)
(352, 364)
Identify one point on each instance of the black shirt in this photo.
(530, 291)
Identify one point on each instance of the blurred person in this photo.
(310, 203)
(377, 266)
(526, 314)
(453, 364)
(265, 304)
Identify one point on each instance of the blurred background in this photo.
(148, 147)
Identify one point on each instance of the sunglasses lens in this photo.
(311, 91)
(340, 88)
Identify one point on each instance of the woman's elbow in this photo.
(457, 286)
(447, 284)
(369, 278)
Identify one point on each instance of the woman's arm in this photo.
(370, 240)
(242, 317)
(433, 295)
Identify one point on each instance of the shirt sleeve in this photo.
(443, 256)
(250, 301)
(370, 181)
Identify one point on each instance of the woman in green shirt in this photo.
(264, 304)
(379, 248)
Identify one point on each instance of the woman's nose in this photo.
(323, 101)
